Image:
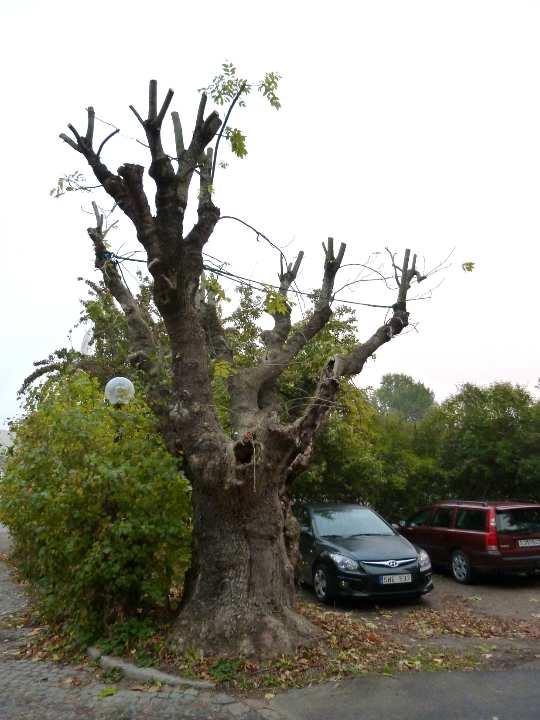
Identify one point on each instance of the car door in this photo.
(417, 529)
(470, 533)
(440, 534)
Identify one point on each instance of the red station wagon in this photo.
(468, 535)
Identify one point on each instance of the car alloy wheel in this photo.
(322, 584)
(461, 567)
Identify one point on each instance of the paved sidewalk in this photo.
(47, 691)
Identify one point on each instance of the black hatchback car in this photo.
(349, 550)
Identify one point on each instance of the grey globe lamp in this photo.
(119, 391)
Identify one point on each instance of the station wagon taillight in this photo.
(491, 537)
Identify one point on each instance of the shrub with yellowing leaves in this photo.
(97, 509)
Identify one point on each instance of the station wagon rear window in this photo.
(518, 520)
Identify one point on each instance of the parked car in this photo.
(350, 550)
(471, 536)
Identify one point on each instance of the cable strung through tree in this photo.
(241, 280)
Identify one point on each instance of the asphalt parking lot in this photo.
(508, 597)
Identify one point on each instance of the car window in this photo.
(419, 519)
(471, 520)
(442, 518)
(518, 520)
(349, 522)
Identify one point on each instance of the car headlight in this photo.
(343, 562)
(424, 561)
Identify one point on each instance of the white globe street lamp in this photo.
(119, 391)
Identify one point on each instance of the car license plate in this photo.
(533, 542)
(394, 579)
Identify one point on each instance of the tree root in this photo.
(241, 633)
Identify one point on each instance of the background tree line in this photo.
(482, 442)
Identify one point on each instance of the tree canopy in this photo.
(401, 394)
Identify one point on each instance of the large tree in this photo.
(240, 590)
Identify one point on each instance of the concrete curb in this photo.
(145, 674)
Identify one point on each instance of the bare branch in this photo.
(161, 169)
(254, 390)
(134, 205)
(200, 111)
(189, 159)
(178, 136)
(165, 106)
(134, 111)
(139, 327)
(111, 135)
(353, 362)
(273, 339)
(90, 128)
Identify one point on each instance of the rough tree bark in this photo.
(239, 597)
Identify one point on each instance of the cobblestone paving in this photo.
(39, 690)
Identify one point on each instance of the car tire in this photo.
(461, 569)
(323, 584)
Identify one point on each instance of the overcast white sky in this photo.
(407, 124)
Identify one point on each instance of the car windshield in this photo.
(518, 520)
(349, 522)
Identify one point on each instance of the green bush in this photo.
(96, 507)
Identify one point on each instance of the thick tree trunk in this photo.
(239, 598)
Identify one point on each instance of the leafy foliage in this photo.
(298, 382)
(226, 85)
(275, 303)
(243, 331)
(391, 447)
(238, 141)
(96, 507)
(71, 182)
(487, 442)
(228, 88)
(401, 394)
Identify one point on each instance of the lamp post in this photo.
(119, 391)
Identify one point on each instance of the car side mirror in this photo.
(305, 530)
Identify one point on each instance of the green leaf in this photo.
(275, 303)
(222, 369)
(237, 140)
(107, 692)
